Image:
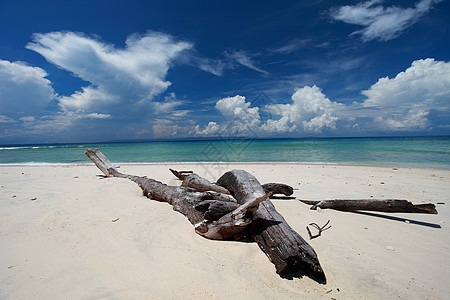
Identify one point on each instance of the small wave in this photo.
(44, 164)
(22, 147)
(10, 148)
(36, 147)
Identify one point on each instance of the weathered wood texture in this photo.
(278, 188)
(212, 218)
(287, 250)
(101, 161)
(388, 205)
(198, 183)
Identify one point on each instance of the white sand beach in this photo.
(66, 233)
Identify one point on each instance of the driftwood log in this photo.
(388, 205)
(218, 215)
(284, 246)
(214, 215)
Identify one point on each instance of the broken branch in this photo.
(198, 183)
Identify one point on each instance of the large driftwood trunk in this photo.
(214, 215)
(388, 205)
(284, 247)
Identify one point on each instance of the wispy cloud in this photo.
(244, 59)
(213, 66)
(379, 22)
(292, 46)
(229, 60)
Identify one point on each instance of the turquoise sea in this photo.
(398, 151)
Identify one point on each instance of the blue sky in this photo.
(85, 71)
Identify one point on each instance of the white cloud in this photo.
(96, 116)
(25, 97)
(237, 108)
(379, 22)
(4, 119)
(411, 95)
(122, 80)
(174, 131)
(240, 119)
(310, 111)
(168, 106)
(25, 94)
(210, 130)
(24, 90)
(426, 82)
(403, 103)
(124, 83)
(413, 119)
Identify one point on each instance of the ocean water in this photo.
(405, 151)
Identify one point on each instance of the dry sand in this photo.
(67, 233)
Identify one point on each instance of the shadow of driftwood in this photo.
(421, 223)
(299, 273)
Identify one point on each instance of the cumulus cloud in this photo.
(122, 79)
(172, 130)
(426, 82)
(210, 130)
(379, 22)
(402, 103)
(240, 119)
(310, 111)
(24, 90)
(122, 83)
(237, 108)
(414, 118)
(411, 95)
(25, 95)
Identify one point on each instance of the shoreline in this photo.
(65, 230)
(234, 163)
